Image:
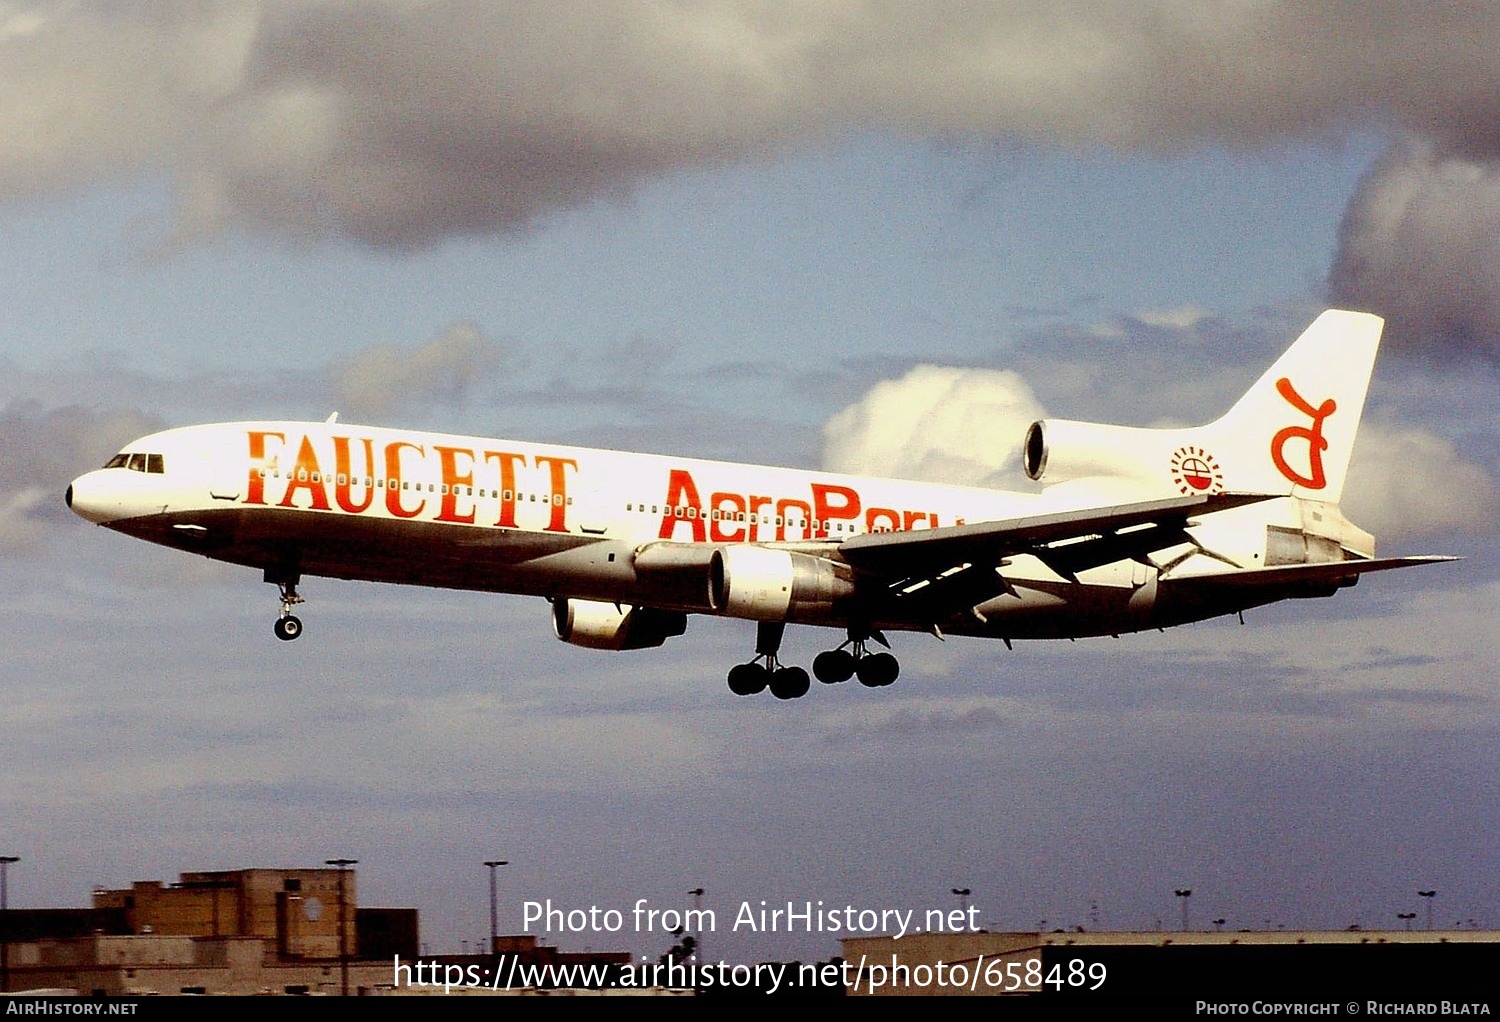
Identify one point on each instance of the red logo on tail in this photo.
(1194, 470)
(1316, 445)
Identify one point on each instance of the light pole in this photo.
(493, 865)
(5, 861)
(1406, 917)
(1429, 895)
(963, 897)
(343, 867)
(697, 893)
(1185, 893)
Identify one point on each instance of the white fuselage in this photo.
(330, 499)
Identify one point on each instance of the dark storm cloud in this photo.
(404, 124)
(1420, 245)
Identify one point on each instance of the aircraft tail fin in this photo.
(1293, 431)
(1291, 434)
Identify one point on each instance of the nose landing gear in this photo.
(288, 625)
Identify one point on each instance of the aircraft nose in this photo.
(89, 498)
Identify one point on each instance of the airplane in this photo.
(1132, 528)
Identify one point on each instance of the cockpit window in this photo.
(152, 463)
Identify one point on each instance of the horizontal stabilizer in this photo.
(1332, 573)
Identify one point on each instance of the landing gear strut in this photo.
(288, 625)
(851, 659)
(766, 671)
(875, 670)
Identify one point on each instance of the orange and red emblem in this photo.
(1316, 442)
(1194, 470)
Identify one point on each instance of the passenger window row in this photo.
(685, 511)
(407, 484)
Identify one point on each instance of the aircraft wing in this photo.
(1074, 539)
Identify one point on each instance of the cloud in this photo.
(87, 92)
(964, 426)
(41, 450)
(21, 516)
(1406, 482)
(444, 370)
(922, 720)
(1183, 318)
(403, 125)
(1420, 245)
(938, 424)
(1172, 367)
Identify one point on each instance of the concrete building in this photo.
(258, 931)
(297, 908)
(161, 964)
(248, 931)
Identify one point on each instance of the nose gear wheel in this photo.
(288, 625)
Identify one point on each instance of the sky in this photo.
(860, 236)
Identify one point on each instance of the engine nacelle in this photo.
(1057, 450)
(614, 626)
(774, 585)
(674, 574)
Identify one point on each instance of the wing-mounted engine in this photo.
(675, 575)
(614, 625)
(776, 585)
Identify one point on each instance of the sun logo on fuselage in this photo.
(1194, 470)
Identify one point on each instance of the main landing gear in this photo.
(766, 671)
(288, 625)
(874, 670)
